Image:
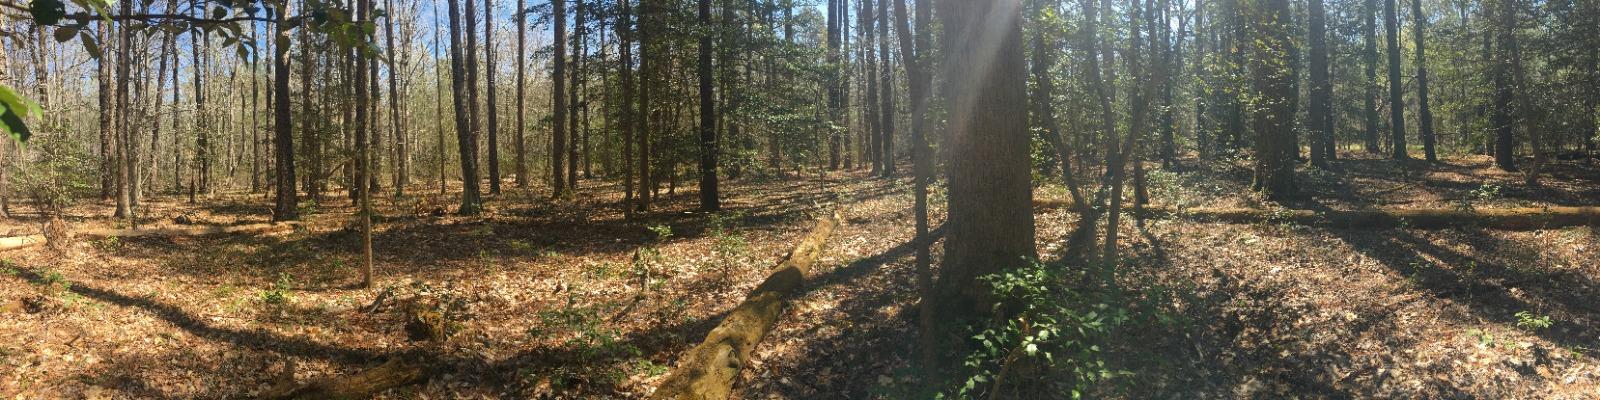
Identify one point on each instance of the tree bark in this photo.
(1273, 84)
(886, 142)
(1320, 86)
(491, 112)
(519, 142)
(1397, 105)
(558, 79)
(709, 200)
(989, 227)
(1370, 58)
(1425, 114)
(471, 203)
(708, 370)
(284, 204)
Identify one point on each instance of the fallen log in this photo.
(1522, 218)
(19, 242)
(398, 371)
(425, 322)
(201, 230)
(25, 241)
(707, 371)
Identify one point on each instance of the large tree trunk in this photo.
(990, 227)
(1397, 105)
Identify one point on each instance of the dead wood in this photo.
(707, 371)
(398, 371)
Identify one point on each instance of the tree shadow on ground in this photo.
(1487, 283)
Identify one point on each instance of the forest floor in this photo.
(570, 299)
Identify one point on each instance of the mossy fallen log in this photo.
(1522, 218)
(398, 371)
(708, 370)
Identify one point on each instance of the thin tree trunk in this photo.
(1425, 114)
(1320, 85)
(1397, 105)
(708, 129)
(522, 66)
(626, 114)
(558, 79)
(1370, 9)
(491, 112)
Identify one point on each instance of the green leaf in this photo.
(13, 109)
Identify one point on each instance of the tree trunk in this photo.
(470, 200)
(1397, 105)
(919, 81)
(1273, 84)
(835, 21)
(886, 142)
(363, 130)
(492, 113)
(708, 123)
(1425, 114)
(645, 73)
(518, 142)
(626, 115)
(1501, 116)
(470, 181)
(285, 204)
(870, 109)
(1320, 86)
(990, 227)
(1370, 58)
(396, 121)
(574, 85)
